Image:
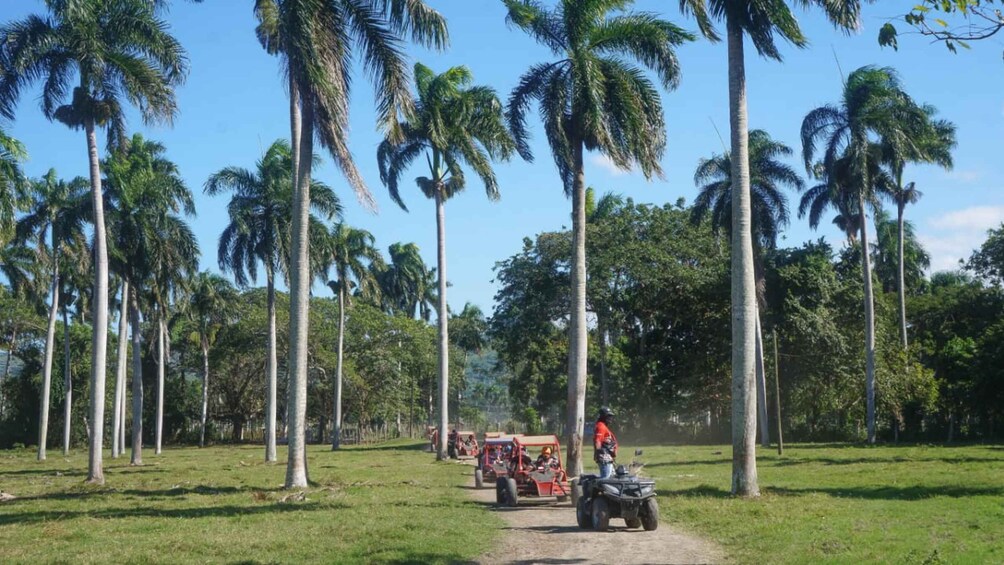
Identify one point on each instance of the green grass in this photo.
(388, 504)
(841, 504)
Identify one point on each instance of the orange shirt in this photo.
(600, 434)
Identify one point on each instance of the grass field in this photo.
(389, 504)
(841, 504)
(393, 504)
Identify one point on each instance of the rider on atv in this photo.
(605, 443)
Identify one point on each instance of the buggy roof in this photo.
(501, 440)
(465, 434)
(530, 441)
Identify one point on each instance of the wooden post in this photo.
(777, 395)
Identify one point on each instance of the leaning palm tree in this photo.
(56, 213)
(212, 296)
(89, 68)
(769, 213)
(453, 124)
(12, 182)
(261, 211)
(316, 41)
(760, 21)
(592, 98)
(933, 144)
(874, 105)
(349, 252)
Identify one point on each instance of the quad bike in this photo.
(622, 495)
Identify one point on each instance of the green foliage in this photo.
(988, 260)
(955, 23)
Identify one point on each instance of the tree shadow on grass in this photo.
(200, 512)
(158, 493)
(384, 447)
(701, 491)
(892, 493)
(42, 472)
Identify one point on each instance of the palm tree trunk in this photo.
(761, 386)
(744, 472)
(67, 383)
(273, 372)
(866, 268)
(137, 381)
(205, 390)
(442, 323)
(159, 424)
(577, 339)
(50, 344)
(99, 343)
(336, 422)
(118, 417)
(299, 302)
(902, 279)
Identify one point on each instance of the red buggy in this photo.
(542, 476)
(493, 458)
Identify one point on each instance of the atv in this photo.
(623, 495)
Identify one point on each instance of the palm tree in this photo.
(592, 98)
(874, 104)
(888, 257)
(760, 21)
(57, 213)
(606, 207)
(348, 251)
(151, 242)
(12, 182)
(453, 124)
(87, 41)
(211, 298)
(933, 144)
(261, 211)
(74, 274)
(404, 281)
(769, 215)
(316, 40)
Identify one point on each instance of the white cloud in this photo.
(954, 235)
(607, 164)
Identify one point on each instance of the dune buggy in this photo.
(462, 445)
(492, 460)
(527, 477)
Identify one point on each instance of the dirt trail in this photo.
(547, 533)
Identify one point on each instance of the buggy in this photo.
(462, 445)
(525, 478)
(492, 460)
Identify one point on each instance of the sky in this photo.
(233, 105)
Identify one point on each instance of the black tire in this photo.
(563, 498)
(500, 491)
(633, 522)
(584, 514)
(479, 479)
(649, 515)
(601, 514)
(511, 494)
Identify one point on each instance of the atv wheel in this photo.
(650, 515)
(633, 522)
(512, 495)
(479, 479)
(584, 514)
(601, 515)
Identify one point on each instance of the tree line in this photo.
(600, 92)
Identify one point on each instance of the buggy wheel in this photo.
(479, 479)
(601, 514)
(511, 494)
(584, 513)
(650, 515)
(563, 498)
(500, 491)
(633, 522)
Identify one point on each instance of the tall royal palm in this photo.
(592, 97)
(56, 216)
(768, 176)
(453, 125)
(404, 281)
(760, 21)
(212, 296)
(261, 211)
(91, 58)
(932, 144)
(151, 243)
(874, 106)
(317, 41)
(349, 252)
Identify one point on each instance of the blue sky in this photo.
(233, 105)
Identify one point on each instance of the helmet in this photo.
(546, 450)
(605, 414)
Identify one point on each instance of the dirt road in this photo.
(547, 533)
